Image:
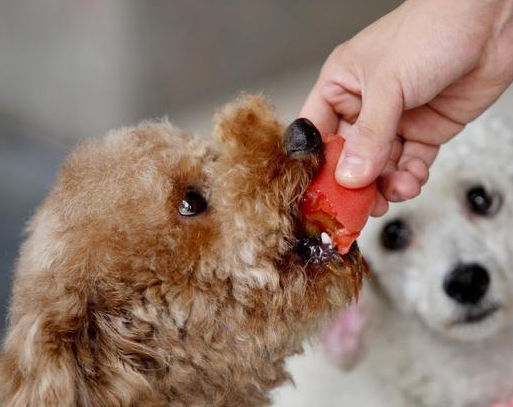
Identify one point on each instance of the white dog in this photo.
(435, 325)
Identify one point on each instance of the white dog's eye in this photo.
(192, 203)
(483, 203)
(396, 235)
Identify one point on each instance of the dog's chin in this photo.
(475, 325)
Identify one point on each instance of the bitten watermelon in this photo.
(330, 208)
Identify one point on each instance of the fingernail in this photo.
(352, 167)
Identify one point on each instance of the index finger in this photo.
(319, 111)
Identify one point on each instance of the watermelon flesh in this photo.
(329, 208)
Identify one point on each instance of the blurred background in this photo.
(72, 69)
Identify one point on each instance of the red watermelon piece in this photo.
(329, 207)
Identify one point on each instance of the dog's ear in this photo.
(248, 126)
(343, 341)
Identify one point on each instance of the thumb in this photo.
(369, 141)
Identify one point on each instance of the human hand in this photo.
(422, 72)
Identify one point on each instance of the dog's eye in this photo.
(395, 235)
(482, 202)
(192, 204)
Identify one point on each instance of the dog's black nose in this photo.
(302, 137)
(467, 283)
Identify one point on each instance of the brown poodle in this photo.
(161, 269)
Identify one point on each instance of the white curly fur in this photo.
(413, 354)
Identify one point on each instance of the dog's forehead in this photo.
(479, 156)
(157, 141)
(485, 145)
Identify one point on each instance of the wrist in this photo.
(504, 15)
(492, 15)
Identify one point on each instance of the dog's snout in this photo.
(302, 138)
(467, 283)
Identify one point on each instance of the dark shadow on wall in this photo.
(27, 168)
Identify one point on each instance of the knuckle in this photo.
(371, 138)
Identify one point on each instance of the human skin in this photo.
(423, 72)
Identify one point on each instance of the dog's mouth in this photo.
(317, 250)
(319, 255)
(475, 316)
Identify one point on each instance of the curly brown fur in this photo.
(120, 301)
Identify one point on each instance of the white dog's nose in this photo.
(467, 283)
